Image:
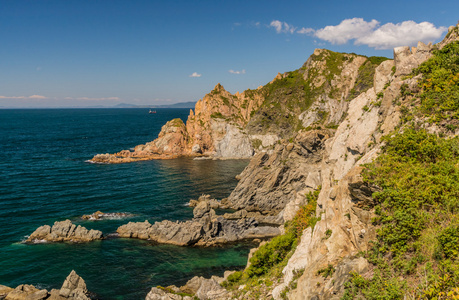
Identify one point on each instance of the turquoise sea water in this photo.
(44, 177)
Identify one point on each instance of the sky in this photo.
(78, 53)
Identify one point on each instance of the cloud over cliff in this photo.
(371, 33)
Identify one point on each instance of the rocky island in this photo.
(64, 231)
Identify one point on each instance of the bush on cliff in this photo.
(418, 218)
(440, 84)
(269, 260)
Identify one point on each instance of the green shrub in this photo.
(306, 215)
(440, 84)
(449, 242)
(236, 276)
(270, 254)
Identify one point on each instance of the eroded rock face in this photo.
(271, 180)
(64, 231)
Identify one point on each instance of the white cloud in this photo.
(195, 74)
(282, 27)
(347, 30)
(387, 36)
(308, 31)
(24, 97)
(236, 72)
(407, 33)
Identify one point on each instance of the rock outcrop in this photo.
(73, 288)
(206, 229)
(275, 178)
(64, 231)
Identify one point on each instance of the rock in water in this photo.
(64, 231)
(74, 288)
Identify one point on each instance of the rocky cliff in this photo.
(317, 129)
(330, 119)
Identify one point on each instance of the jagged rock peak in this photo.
(219, 88)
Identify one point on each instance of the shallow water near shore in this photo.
(44, 177)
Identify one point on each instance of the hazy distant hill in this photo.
(190, 104)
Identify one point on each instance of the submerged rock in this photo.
(64, 231)
(98, 215)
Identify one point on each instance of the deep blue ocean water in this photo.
(44, 177)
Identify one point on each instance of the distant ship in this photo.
(152, 111)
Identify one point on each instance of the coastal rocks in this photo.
(206, 229)
(205, 288)
(214, 203)
(4, 290)
(25, 291)
(73, 288)
(64, 231)
(98, 215)
(200, 287)
(181, 234)
(270, 181)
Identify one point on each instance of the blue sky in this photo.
(86, 53)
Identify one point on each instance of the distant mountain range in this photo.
(190, 104)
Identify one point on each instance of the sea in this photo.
(45, 177)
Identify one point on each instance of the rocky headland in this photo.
(73, 288)
(64, 231)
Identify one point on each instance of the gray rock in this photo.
(74, 287)
(64, 231)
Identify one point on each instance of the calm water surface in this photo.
(44, 177)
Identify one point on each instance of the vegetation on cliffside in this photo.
(267, 263)
(416, 253)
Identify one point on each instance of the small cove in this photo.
(44, 178)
